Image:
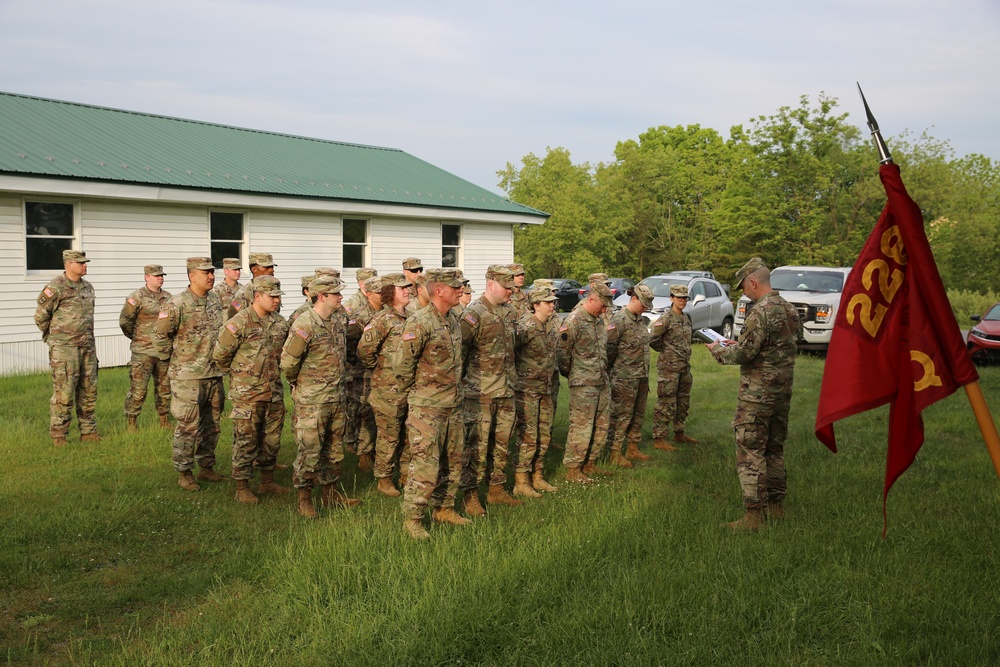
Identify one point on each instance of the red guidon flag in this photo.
(895, 339)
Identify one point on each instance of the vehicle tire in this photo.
(727, 329)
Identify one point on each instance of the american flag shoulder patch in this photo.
(471, 319)
(48, 292)
(409, 335)
(564, 327)
(369, 326)
(236, 304)
(163, 315)
(301, 333)
(611, 326)
(132, 301)
(232, 328)
(350, 322)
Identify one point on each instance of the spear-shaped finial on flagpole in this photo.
(883, 151)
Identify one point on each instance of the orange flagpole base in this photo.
(985, 420)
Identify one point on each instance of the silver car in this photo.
(708, 306)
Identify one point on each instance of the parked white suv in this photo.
(708, 306)
(815, 292)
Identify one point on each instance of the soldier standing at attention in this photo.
(65, 316)
(536, 359)
(261, 264)
(519, 298)
(358, 299)
(413, 269)
(466, 298)
(671, 337)
(150, 358)
(766, 355)
(628, 357)
(428, 368)
(314, 362)
(488, 329)
(248, 349)
(582, 357)
(304, 282)
(192, 321)
(552, 327)
(227, 289)
(361, 429)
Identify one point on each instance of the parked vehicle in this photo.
(567, 291)
(984, 337)
(708, 306)
(815, 292)
(618, 286)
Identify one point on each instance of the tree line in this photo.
(799, 186)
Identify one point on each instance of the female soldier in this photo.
(628, 359)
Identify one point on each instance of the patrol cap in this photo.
(543, 283)
(644, 294)
(449, 277)
(467, 289)
(232, 263)
(500, 274)
(153, 270)
(325, 285)
(364, 274)
(396, 280)
(753, 265)
(516, 269)
(261, 259)
(268, 285)
(678, 290)
(75, 256)
(305, 280)
(602, 291)
(200, 264)
(539, 295)
(373, 284)
(597, 277)
(412, 264)
(327, 271)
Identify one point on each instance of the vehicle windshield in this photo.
(808, 281)
(661, 286)
(993, 313)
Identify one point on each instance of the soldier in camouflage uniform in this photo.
(191, 320)
(65, 316)
(428, 368)
(314, 362)
(413, 270)
(304, 282)
(466, 297)
(488, 330)
(519, 298)
(535, 358)
(361, 420)
(227, 289)
(582, 358)
(261, 264)
(628, 357)
(248, 349)
(766, 355)
(357, 300)
(150, 358)
(552, 327)
(671, 337)
(380, 342)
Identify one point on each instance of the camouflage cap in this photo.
(597, 277)
(679, 290)
(261, 259)
(644, 294)
(327, 271)
(543, 283)
(232, 263)
(449, 277)
(75, 256)
(412, 264)
(602, 291)
(305, 280)
(364, 274)
(755, 264)
(153, 270)
(325, 285)
(268, 285)
(200, 264)
(516, 269)
(467, 289)
(500, 274)
(373, 284)
(396, 280)
(539, 295)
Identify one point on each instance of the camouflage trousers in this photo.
(142, 367)
(761, 430)
(489, 425)
(673, 399)
(319, 436)
(74, 381)
(435, 436)
(628, 411)
(589, 417)
(256, 435)
(197, 406)
(534, 418)
(361, 427)
(390, 443)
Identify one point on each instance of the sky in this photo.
(470, 86)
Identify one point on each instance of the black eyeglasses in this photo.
(419, 269)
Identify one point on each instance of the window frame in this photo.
(344, 243)
(74, 237)
(459, 249)
(244, 241)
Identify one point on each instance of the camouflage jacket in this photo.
(535, 355)
(671, 337)
(226, 293)
(355, 301)
(358, 319)
(380, 342)
(488, 347)
(428, 364)
(298, 311)
(582, 352)
(240, 300)
(249, 349)
(65, 312)
(521, 303)
(766, 351)
(192, 323)
(628, 346)
(138, 321)
(314, 358)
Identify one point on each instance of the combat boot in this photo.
(187, 482)
(498, 496)
(386, 488)
(365, 463)
(59, 441)
(268, 485)
(618, 459)
(331, 496)
(522, 487)
(131, 424)
(209, 475)
(634, 453)
(164, 421)
(90, 437)
(244, 494)
(750, 522)
(679, 436)
(306, 507)
(416, 530)
(575, 475)
(540, 484)
(472, 505)
(776, 510)
(662, 444)
(449, 515)
(591, 469)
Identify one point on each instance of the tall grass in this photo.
(106, 561)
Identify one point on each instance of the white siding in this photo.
(482, 245)
(393, 240)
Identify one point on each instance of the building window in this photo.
(451, 245)
(355, 233)
(49, 229)
(227, 236)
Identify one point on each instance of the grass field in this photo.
(104, 560)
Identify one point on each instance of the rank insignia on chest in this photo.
(409, 335)
(132, 301)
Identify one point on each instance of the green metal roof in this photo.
(69, 140)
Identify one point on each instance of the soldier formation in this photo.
(417, 380)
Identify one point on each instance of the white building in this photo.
(132, 189)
